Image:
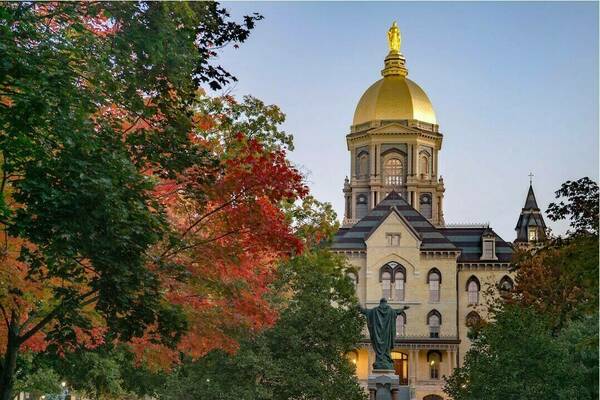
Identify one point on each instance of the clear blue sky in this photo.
(514, 86)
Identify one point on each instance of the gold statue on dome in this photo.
(394, 38)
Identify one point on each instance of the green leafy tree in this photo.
(75, 208)
(516, 357)
(579, 204)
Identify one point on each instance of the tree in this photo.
(516, 357)
(581, 206)
(304, 354)
(77, 206)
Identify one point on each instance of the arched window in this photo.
(393, 172)
(506, 285)
(400, 324)
(352, 357)
(473, 288)
(432, 397)
(473, 319)
(401, 366)
(434, 320)
(425, 205)
(399, 279)
(363, 164)
(434, 358)
(434, 279)
(361, 206)
(424, 164)
(386, 284)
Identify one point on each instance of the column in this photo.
(412, 366)
(414, 160)
(434, 168)
(449, 362)
(371, 160)
(352, 165)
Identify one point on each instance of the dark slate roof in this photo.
(530, 202)
(468, 240)
(530, 217)
(465, 239)
(354, 237)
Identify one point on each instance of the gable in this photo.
(354, 238)
(393, 224)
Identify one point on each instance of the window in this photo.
(399, 285)
(401, 366)
(386, 284)
(393, 239)
(533, 234)
(393, 172)
(400, 323)
(473, 288)
(363, 164)
(473, 319)
(424, 164)
(425, 205)
(505, 285)
(434, 320)
(434, 279)
(434, 358)
(361, 206)
(352, 357)
(488, 252)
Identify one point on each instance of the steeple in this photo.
(531, 228)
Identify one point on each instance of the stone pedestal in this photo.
(383, 384)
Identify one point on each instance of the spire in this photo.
(530, 202)
(395, 63)
(531, 228)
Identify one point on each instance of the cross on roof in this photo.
(530, 178)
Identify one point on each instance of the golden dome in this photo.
(395, 97)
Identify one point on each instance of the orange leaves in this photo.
(232, 233)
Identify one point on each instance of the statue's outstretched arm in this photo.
(399, 311)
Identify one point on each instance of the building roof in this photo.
(395, 97)
(530, 202)
(465, 240)
(530, 216)
(468, 240)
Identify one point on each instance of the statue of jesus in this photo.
(381, 322)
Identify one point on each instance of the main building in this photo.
(395, 237)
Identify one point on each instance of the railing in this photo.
(466, 225)
(414, 335)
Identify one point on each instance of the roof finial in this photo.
(394, 38)
(394, 62)
(530, 178)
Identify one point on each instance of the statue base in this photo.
(383, 384)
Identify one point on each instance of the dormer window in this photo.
(532, 234)
(488, 246)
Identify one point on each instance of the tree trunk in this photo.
(9, 365)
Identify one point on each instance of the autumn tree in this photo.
(81, 216)
(544, 334)
(304, 355)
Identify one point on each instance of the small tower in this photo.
(531, 228)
